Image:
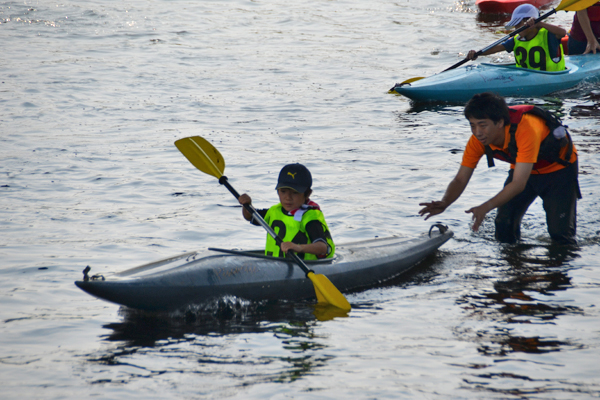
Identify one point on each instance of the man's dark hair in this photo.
(488, 106)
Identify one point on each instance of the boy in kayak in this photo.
(538, 168)
(537, 47)
(297, 220)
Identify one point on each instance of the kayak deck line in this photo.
(261, 254)
(188, 256)
(513, 66)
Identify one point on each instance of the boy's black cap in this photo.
(294, 176)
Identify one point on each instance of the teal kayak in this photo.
(460, 84)
(199, 277)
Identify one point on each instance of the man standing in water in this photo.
(543, 163)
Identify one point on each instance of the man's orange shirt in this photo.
(530, 133)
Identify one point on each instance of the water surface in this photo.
(92, 96)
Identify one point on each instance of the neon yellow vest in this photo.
(534, 53)
(294, 231)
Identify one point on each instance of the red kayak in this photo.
(506, 6)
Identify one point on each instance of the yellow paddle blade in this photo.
(202, 155)
(406, 81)
(418, 78)
(327, 293)
(575, 5)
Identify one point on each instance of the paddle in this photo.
(207, 159)
(566, 5)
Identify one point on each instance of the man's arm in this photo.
(517, 185)
(453, 192)
(586, 26)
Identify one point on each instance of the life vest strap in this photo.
(550, 146)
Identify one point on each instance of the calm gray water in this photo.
(94, 93)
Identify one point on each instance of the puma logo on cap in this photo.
(294, 176)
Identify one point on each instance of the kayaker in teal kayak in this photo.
(585, 31)
(296, 219)
(543, 163)
(537, 47)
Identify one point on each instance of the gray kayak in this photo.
(198, 277)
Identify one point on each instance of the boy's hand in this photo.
(472, 55)
(244, 199)
(285, 246)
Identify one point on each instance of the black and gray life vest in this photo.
(549, 148)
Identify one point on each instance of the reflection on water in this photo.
(224, 316)
(539, 256)
(219, 338)
(198, 339)
(419, 107)
(524, 295)
(518, 318)
(589, 106)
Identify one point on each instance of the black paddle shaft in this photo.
(223, 181)
(513, 33)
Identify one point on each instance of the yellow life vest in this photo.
(294, 231)
(534, 53)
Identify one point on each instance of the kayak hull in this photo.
(460, 84)
(507, 6)
(194, 278)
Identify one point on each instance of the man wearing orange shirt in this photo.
(541, 165)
